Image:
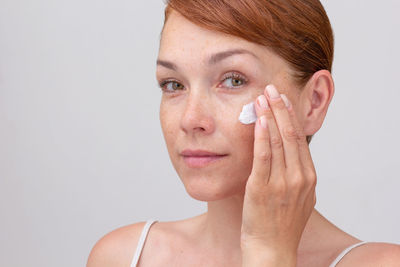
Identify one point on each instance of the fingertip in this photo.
(266, 89)
(263, 121)
(257, 107)
(286, 101)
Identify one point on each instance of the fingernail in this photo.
(262, 102)
(272, 92)
(286, 100)
(263, 121)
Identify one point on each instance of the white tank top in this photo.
(140, 245)
(146, 229)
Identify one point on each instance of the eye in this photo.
(171, 86)
(230, 80)
(234, 80)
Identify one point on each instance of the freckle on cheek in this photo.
(248, 114)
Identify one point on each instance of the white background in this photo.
(81, 148)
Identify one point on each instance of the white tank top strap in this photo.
(344, 252)
(141, 242)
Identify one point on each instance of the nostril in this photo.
(198, 115)
(204, 124)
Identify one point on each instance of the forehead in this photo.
(182, 37)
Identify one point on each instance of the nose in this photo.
(198, 114)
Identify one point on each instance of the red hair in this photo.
(299, 31)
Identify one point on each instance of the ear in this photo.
(315, 99)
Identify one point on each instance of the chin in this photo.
(212, 188)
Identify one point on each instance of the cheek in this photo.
(163, 120)
(240, 137)
(245, 140)
(168, 125)
(241, 142)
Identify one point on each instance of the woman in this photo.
(258, 179)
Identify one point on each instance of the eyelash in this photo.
(232, 75)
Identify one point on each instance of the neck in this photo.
(221, 225)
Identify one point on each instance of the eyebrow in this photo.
(214, 59)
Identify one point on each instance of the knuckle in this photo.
(301, 137)
(311, 176)
(313, 181)
(276, 141)
(302, 141)
(264, 156)
(263, 139)
(297, 182)
(290, 133)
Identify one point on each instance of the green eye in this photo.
(233, 80)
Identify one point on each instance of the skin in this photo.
(261, 195)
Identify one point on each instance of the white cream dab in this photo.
(248, 114)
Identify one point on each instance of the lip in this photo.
(199, 153)
(200, 158)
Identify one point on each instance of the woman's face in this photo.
(206, 78)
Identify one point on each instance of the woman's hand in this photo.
(280, 192)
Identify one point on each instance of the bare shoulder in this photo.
(373, 254)
(164, 239)
(117, 247)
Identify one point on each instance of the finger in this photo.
(304, 150)
(285, 126)
(278, 165)
(262, 149)
(262, 155)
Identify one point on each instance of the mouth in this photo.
(200, 158)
